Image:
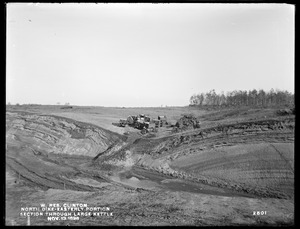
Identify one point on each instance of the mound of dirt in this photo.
(186, 122)
(57, 135)
(37, 144)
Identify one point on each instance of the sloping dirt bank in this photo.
(38, 147)
(254, 157)
(56, 160)
(57, 134)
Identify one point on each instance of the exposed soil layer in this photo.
(42, 149)
(57, 134)
(252, 157)
(179, 179)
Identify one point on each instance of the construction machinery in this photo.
(142, 122)
(162, 120)
(122, 122)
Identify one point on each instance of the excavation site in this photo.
(150, 114)
(176, 166)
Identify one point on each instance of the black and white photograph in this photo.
(143, 114)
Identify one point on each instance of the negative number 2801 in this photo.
(259, 212)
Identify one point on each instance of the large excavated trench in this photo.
(55, 152)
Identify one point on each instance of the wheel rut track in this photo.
(283, 158)
(43, 180)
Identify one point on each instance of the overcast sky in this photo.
(145, 54)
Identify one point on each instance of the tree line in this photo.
(243, 98)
